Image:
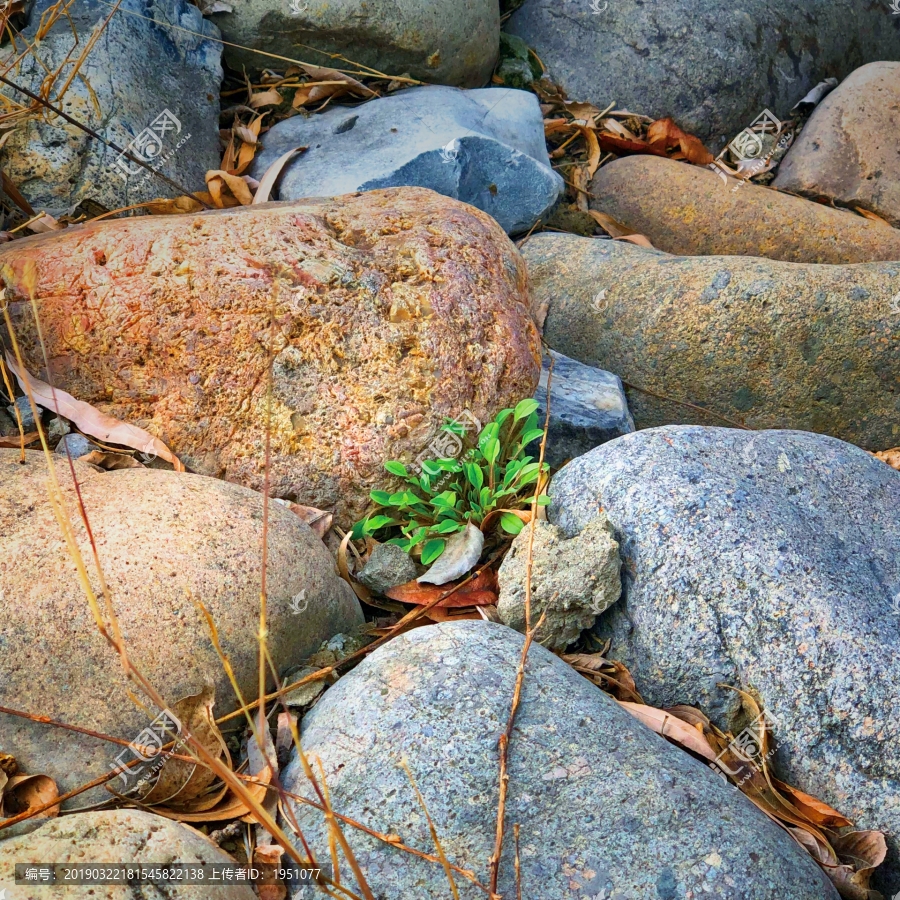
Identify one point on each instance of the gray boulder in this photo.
(587, 408)
(74, 445)
(713, 66)
(483, 147)
(769, 561)
(387, 567)
(438, 43)
(157, 89)
(606, 807)
(847, 151)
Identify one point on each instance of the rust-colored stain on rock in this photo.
(382, 313)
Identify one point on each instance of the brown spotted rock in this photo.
(728, 339)
(165, 541)
(384, 313)
(848, 151)
(692, 211)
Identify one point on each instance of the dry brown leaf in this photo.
(15, 441)
(91, 421)
(332, 84)
(250, 143)
(270, 176)
(669, 726)
(666, 134)
(618, 129)
(865, 850)
(480, 591)
(265, 98)
(178, 205)
(891, 457)
(873, 216)
(609, 143)
(43, 224)
(638, 239)
(584, 111)
(453, 614)
(460, 556)
(269, 855)
(580, 179)
(8, 764)
(317, 519)
(218, 179)
(111, 461)
(611, 226)
(815, 810)
(594, 153)
(24, 793)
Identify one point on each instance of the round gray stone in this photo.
(606, 807)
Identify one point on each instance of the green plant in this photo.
(483, 486)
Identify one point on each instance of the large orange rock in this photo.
(383, 313)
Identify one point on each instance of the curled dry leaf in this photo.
(665, 134)
(891, 457)
(270, 176)
(90, 420)
(15, 441)
(228, 190)
(815, 810)
(670, 726)
(111, 461)
(317, 519)
(460, 556)
(262, 98)
(24, 793)
(479, 591)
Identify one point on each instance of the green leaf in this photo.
(444, 499)
(371, 525)
(532, 435)
(396, 468)
(488, 433)
(431, 467)
(524, 408)
(432, 550)
(511, 524)
(502, 416)
(448, 526)
(382, 498)
(356, 532)
(474, 475)
(543, 500)
(491, 450)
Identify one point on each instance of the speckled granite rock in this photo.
(690, 210)
(115, 836)
(388, 566)
(393, 310)
(606, 807)
(436, 43)
(711, 65)
(764, 343)
(769, 561)
(483, 147)
(165, 540)
(137, 72)
(587, 408)
(848, 150)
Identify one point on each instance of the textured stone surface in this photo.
(438, 43)
(165, 541)
(711, 65)
(764, 343)
(74, 445)
(484, 147)
(392, 310)
(690, 210)
(587, 408)
(115, 836)
(767, 561)
(387, 567)
(847, 151)
(136, 71)
(606, 807)
(572, 581)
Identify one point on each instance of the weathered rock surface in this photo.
(689, 210)
(768, 561)
(761, 342)
(387, 567)
(454, 44)
(483, 147)
(115, 836)
(572, 581)
(712, 66)
(606, 807)
(587, 408)
(386, 313)
(165, 540)
(847, 151)
(157, 88)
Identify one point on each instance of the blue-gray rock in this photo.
(149, 85)
(587, 408)
(771, 561)
(74, 445)
(606, 807)
(7, 424)
(484, 147)
(714, 66)
(26, 413)
(451, 43)
(388, 566)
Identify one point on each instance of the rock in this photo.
(689, 210)
(846, 151)
(767, 561)
(74, 445)
(587, 408)
(516, 67)
(7, 425)
(26, 413)
(483, 147)
(572, 581)
(454, 45)
(756, 341)
(712, 66)
(58, 428)
(387, 567)
(395, 310)
(116, 836)
(157, 87)
(165, 540)
(602, 802)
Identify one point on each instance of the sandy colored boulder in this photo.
(847, 151)
(119, 836)
(385, 312)
(762, 343)
(690, 210)
(165, 540)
